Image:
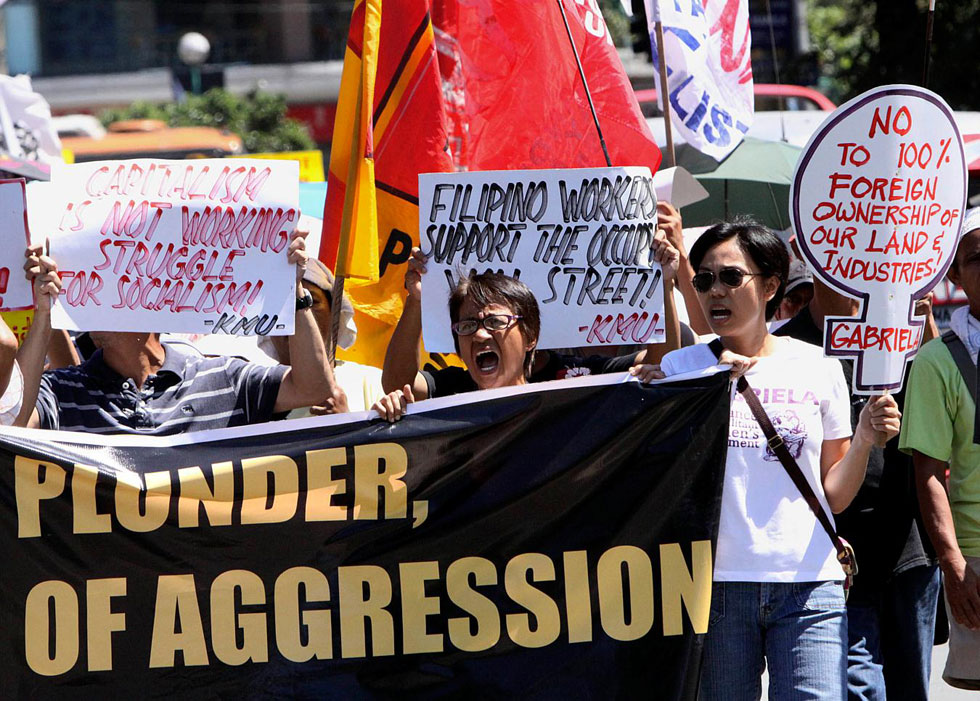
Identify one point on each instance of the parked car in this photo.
(69, 125)
(769, 97)
(145, 138)
(789, 113)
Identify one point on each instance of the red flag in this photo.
(514, 97)
(409, 138)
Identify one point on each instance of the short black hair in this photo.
(484, 289)
(760, 244)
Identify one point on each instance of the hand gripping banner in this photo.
(537, 543)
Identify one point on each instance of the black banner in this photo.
(552, 542)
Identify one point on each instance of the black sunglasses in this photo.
(731, 277)
(491, 322)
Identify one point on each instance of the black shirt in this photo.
(448, 381)
(883, 522)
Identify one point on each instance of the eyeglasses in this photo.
(491, 322)
(731, 277)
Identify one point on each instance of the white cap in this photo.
(799, 274)
(971, 221)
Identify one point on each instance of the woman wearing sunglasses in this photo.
(777, 593)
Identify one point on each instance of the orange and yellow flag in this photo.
(349, 245)
(408, 126)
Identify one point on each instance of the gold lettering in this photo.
(177, 601)
(195, 493)
(255, 493)
(37, 624)
(321, 485)
(364, 591)
(678, 584)
(539, 604)
(461, 576)
(416, 607)
(290, 617)
(226, 621)
(129, 488)
(87, 518)
(578, 598)
(370, 479)
(612, 605)
(30, 489)
(101, 622)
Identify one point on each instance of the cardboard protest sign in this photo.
(877, 202)
(188, 246)
(580, 239)
(15, 291)
(19, 322)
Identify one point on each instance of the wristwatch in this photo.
(304, 302)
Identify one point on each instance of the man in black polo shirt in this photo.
(136, 384)
(891, 610)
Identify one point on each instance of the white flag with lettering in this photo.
(707, 49)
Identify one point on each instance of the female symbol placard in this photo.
(876, 204)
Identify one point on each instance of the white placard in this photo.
(15, 291)
(193, 246)
(579, 238)
(877, 202)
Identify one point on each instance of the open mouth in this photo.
(720, 313)
(487, 361)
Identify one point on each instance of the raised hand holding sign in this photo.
(876, 203)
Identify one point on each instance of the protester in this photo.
(493, 357)
(359, 385)
(799, 292)
(891, 608)
(776, 595)
(136, 384)
(11, 379)
(940, 432)
(496, 323)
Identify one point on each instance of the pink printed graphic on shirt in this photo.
(793, 432)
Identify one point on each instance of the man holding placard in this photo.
(136, 384)
(940, 431)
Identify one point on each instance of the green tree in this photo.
(259, 118)
(617, 22)
(861, 44)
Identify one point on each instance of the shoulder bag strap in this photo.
(969, 371)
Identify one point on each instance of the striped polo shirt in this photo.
(190, 392)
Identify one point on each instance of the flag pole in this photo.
(925, 63)
(341, 267)
(336, 306)
(658, 29)
(585, 84)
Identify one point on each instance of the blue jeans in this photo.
(800, 628)
(890, 638)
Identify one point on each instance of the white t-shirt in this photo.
(12, 397)
(768, 532)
